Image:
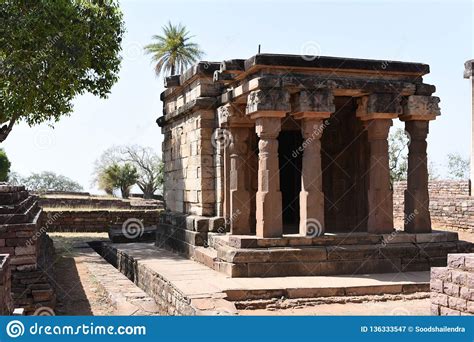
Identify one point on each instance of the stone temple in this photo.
(278, 165)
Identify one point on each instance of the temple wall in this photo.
(452, 287)
(450, 204)
(189, 164)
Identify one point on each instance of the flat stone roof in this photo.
(325, 62)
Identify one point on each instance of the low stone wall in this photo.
(169, 300)
(94, 202)
(452, 287)
(6, 304)
(450, 204)
(95, 220)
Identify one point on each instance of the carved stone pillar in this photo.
(311, 194)
(312, 107)
(269, 205)
(418, 110)
(267, 107)
(239, 182)
(377, 110)
(380, 194)
(232, 118)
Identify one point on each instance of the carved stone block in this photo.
(419, 107)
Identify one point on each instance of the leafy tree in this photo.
(4, 166)
(173, 51)
(146, 161)
(49, 181)
(121, 177)
(458, 167)
(398, 154)
(51, 51)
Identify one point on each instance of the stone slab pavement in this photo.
(195, 280)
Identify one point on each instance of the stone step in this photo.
(18, 207)
(206, 256)
(21, 217)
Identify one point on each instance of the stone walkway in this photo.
(123, 294)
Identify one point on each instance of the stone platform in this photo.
(186, 287)
(331, 254)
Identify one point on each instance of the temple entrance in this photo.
(345, 162)
(290, 162)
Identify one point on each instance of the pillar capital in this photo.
(268, 103)
(379, 106)
(268, 127)
(317, 103)
(420, 107)
(233, 115)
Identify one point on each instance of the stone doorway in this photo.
(345, 162)
(290, 163)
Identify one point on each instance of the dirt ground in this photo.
(77, 291)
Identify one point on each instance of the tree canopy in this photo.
(51, 51)
(4, 166)
(117, 176)
(48, 181)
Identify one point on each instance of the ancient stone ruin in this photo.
(278, 165)
(25, 252)
(452, 287)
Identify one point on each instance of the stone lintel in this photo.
(379, 106)
(233, 115)
(313, 104)
(419, 107)
(268, 103)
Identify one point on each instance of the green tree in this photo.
(398, 154)
(51, 51)
(4, 166)
(49, 181)
(458, 167)
(121, 177)
(173, 51)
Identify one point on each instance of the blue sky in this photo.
(439, 33)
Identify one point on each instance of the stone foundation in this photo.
(452, 287)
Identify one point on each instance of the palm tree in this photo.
(173, 52)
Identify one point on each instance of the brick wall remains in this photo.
(452, 287)
(6, 304)
(450, 204)
(95, 220)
